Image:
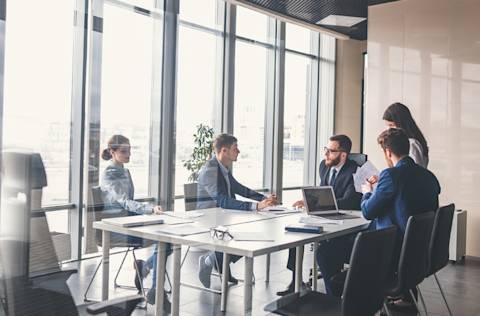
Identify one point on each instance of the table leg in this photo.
(299, 268)
(105, 263)
(247, 290)
(225, 269)
(315, 267)
(267, 269)
(161, 265)
(177, 255)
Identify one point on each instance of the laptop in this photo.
(321, 201)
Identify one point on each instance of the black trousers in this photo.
(219, 256)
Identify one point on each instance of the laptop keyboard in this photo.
(338, 216)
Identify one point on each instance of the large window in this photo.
(199, 55)
(298, 89)
(38, 81)
(127, 65)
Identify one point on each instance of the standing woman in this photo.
(118, 190)
(398, 115)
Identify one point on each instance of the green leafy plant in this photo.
(202, 151)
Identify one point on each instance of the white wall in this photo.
(426, 54)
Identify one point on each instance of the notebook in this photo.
(135, 220)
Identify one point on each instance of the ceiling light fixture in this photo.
(341, 20)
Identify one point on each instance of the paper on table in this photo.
(279, 209)
(318, 221)
(250, 236)
(363, 173)
(182, 230)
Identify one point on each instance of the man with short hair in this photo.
(403, 189)
(217, 188)
(336, 170)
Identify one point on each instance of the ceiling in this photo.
(312, 11)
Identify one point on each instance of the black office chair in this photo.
(97, 206)
(364, 286)
(360, 159)
(413, 261)
(438, 251)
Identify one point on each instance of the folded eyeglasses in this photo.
(220, 233)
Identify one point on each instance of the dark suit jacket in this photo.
(213, 189)
(347, 197)
(404, 190)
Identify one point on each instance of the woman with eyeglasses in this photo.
(118, 193)
(398, 115)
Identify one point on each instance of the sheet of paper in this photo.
(317, 221)
(363, 173)
(250, 236)
(279, 209)
(182, 230)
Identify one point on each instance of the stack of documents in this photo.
(319, 221)
(279, 209)
(363, 173)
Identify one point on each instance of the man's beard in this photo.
(333, 163)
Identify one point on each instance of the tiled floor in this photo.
(461, 283)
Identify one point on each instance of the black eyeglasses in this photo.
(220, 233)
(328, 150)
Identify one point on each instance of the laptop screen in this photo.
(319, 199)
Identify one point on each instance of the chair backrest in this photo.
(360, 159)
(440, 241)
(96, 206)
(190, 191)
(369, 266)
(413, 262)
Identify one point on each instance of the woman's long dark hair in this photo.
(401, 116)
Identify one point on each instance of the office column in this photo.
(77, 139)
(273, 162)
(156, 103)
(93, 111)
(166, 190)
(3, 18)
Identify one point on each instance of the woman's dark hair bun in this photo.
(106, 155)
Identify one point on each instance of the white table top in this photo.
(245, 221)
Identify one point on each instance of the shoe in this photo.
(167, 306)
(143, 270)
(290, 289)
(402, 305)
(204, 271)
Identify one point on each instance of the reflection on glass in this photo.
(126, 87)
(197, 58)
(251, 24)
(249, 116)
(297, 38)
(297, 100)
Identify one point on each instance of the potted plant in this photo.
(202, 152)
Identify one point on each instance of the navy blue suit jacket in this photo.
(404, 190)
(344, 188)
(213, 189)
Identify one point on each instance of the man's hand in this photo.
(373, 179)
(367, 187)
(157, 209)
(273, 199)
(265, 203)
(299, 204)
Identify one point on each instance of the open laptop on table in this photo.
(321, 201)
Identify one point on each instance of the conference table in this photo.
(239, 222)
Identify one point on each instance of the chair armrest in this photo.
(121, 303)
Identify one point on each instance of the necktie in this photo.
(333, 177)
